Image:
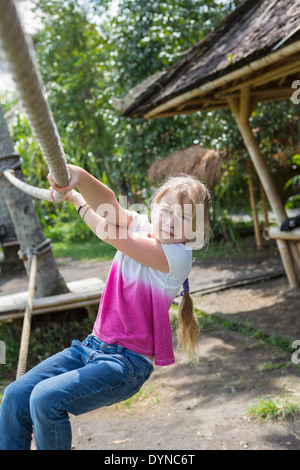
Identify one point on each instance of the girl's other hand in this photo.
(72, 197)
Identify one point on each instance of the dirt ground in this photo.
(203, 407)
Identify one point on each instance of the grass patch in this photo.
(92, 250)
(147, 394)
(206, 321)
(269, 366)
(273, 409)
(49, 334)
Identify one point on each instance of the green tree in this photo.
(147, 37)
(72, 58)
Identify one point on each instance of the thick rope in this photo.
(29, 85)
(38, 193)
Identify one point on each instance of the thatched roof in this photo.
(257, 29)
(195, 160)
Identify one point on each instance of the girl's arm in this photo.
(147, 251)
(98, 196)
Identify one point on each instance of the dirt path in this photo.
(204, 407)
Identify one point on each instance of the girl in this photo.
(132, 327)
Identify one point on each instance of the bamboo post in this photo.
(293, 236)
(264, 203)
(257, 233)
(241, 116)
(296, 257)
(27, 320)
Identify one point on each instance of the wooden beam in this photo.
(83, 292)
(234, 106)
(266, 92)
(268, 76)
(214, 106)
(204, 100)
(253, 104)
(264, 204)
(277, 74)
(274, 233)
(244, 104)
(219, 101)
(291, 51)
(295, 255)
(14, 315)
(269, 187)
(188, 111)
(259, 162)
(257, 233)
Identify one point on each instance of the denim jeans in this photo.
(86, 376)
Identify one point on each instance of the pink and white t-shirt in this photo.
(134, 306)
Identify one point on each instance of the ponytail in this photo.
(188, 328)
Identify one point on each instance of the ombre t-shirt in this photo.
(134, 306)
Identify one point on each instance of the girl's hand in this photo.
(74, 177)
(72, 197)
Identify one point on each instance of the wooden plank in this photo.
(268, 76)
(83, 292)
(10, 243)
(274, 233)
(8, 316)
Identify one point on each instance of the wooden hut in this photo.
(252, 56)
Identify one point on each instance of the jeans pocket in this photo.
(130, 369)
(142, 367)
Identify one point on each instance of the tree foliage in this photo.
(149, 35)
(72, 58)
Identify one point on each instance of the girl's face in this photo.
(171, 223)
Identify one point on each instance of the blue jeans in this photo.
(79, 379)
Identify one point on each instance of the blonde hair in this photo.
(183, 186)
